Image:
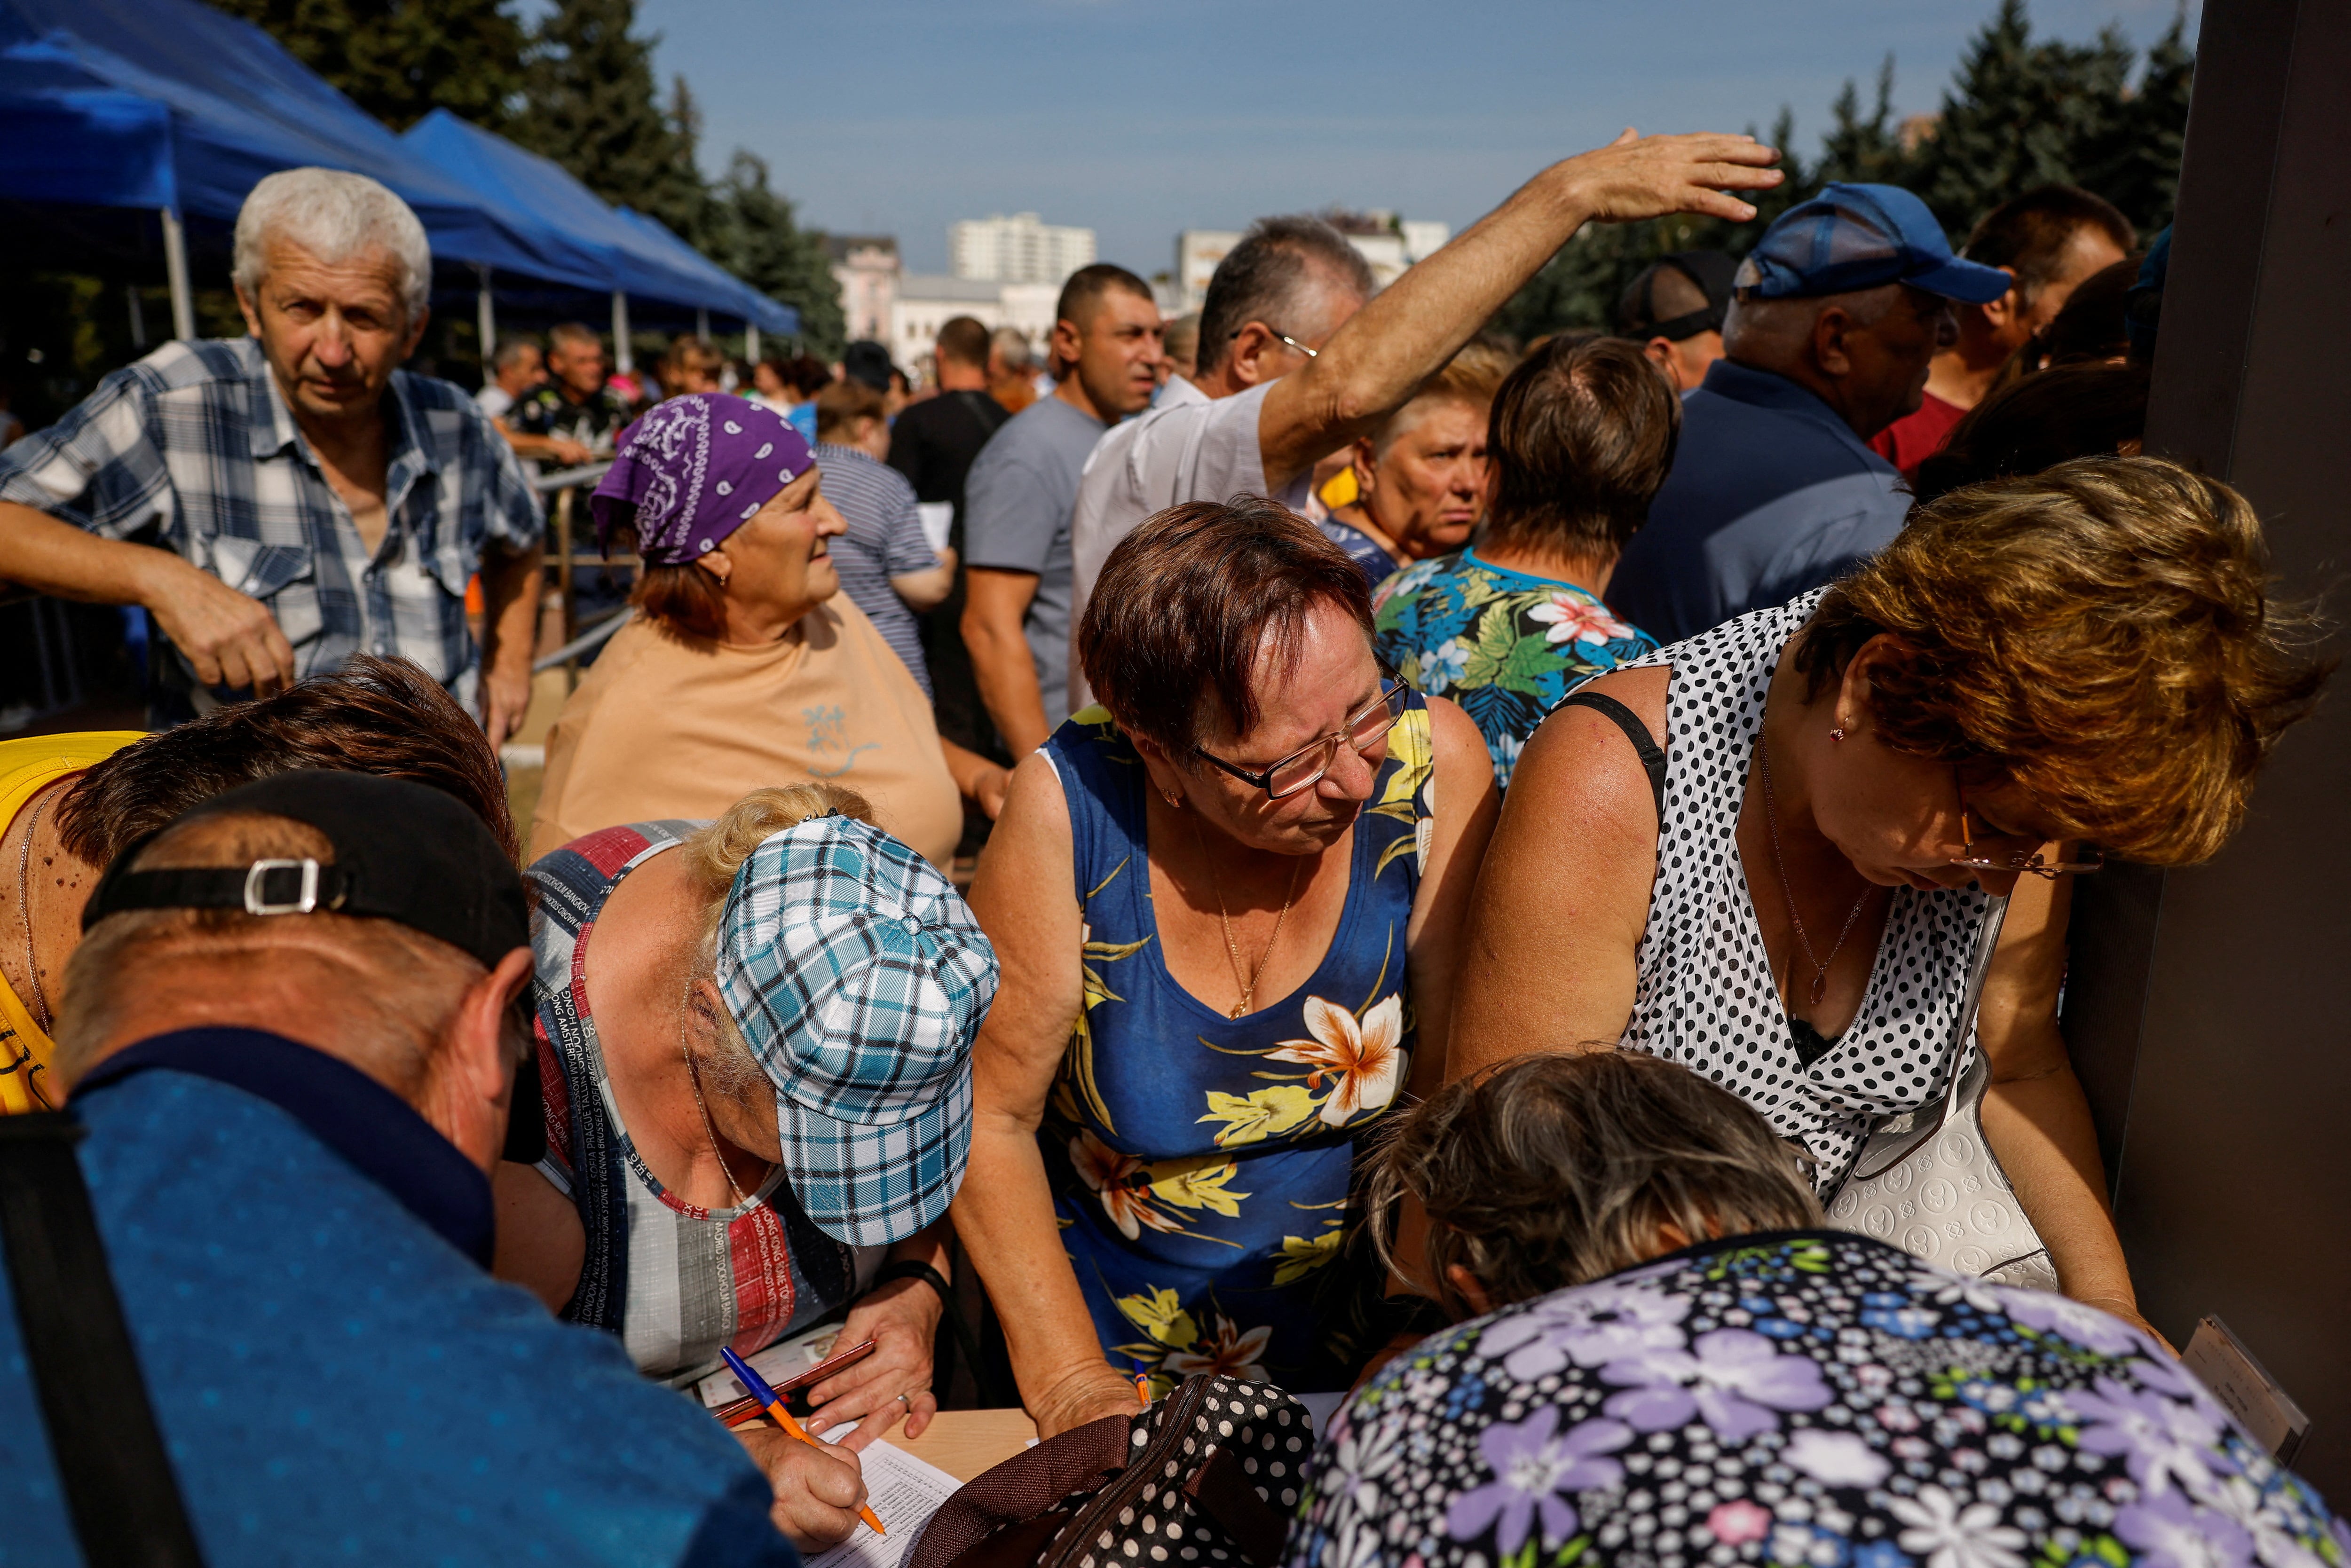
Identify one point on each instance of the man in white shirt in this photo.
(1291, 297)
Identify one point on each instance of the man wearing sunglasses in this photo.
(1296, 359)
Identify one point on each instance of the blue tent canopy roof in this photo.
(638, 255)
(172, 104)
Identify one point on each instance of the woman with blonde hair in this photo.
(755, 1058)
(1787, 843)
(1420, 480)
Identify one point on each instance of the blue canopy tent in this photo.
(542, 195)
(172, 107)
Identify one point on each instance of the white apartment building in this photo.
(1390, 244)
(866, 267)
(926, 302)
(1018, 249)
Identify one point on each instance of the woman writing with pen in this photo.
(756, 1055)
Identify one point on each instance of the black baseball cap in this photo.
(1710, 270)
(403, 852)
(868, 362)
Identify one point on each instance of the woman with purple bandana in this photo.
(746, 666)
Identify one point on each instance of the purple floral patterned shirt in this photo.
(1802, 1398)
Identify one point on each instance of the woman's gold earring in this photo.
(1175, 802)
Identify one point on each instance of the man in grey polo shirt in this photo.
(1019, 495)
(1294, 364)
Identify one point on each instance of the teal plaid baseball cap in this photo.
(858, 979)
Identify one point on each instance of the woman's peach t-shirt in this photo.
(668, 726)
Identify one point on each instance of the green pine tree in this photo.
(399, 60)
(2019, 113)
(594, 107)
(754, 237)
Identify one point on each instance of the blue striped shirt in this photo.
(884, 540)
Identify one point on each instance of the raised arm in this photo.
(1026, 902)
(1372, 365)
(1565, 895)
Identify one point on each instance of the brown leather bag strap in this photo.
(1225, 1494)
(1029, 1483)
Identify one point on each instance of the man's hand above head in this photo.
(1635, 176)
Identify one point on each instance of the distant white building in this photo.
(866, 267)
(1018, 249)
(1390, 244)
(926, 302)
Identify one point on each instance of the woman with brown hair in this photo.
(1784, 879)
(746, 666)
(1227, 903)
(1582, 436)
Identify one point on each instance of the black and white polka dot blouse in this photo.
(1704, 993)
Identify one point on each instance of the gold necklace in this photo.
(1772, 818)
(694, 1079)
(1247, 983)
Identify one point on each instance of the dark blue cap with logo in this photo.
(1852, 238)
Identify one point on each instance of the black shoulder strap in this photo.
(1652, 759)
(118, 1485)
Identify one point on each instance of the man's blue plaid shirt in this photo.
(195, 442)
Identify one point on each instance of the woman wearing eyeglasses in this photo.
(1228, 912)
(1789, 897)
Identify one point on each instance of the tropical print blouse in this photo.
(1802, 1398)
(1505, 645)
(1200, 1165)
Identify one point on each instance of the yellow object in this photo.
(26, 767)
(1338, 490)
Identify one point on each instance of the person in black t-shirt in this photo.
(933, 444)
(576, 416)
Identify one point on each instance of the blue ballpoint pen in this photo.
(756, 1387)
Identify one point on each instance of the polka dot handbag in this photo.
(1207, 1478)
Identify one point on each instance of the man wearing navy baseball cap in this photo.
(1838, 311)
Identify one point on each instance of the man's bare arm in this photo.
(1372, 365)
(510, 583)
(230, 637)
(996, 604)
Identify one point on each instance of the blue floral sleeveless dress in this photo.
(1200, 1165)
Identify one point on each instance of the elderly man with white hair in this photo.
(311, 499)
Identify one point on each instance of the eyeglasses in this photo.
(1285, 337)
(2019, 863)
(1366, 731)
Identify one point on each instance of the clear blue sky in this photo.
(1140, 118)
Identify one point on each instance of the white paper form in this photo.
(903, 1492)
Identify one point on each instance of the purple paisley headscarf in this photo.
(694, 469)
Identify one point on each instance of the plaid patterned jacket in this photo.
(195, 443)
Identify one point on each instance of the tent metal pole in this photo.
(702, 322)
(175, 267)
(751, 341)
(138, 317)
(623, 361)
(486, 320)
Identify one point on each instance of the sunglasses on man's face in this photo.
(1366, 731)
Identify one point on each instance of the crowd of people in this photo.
(1478, 840)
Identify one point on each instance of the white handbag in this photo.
(1927, 1180)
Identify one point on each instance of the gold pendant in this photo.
(1240, 1009)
